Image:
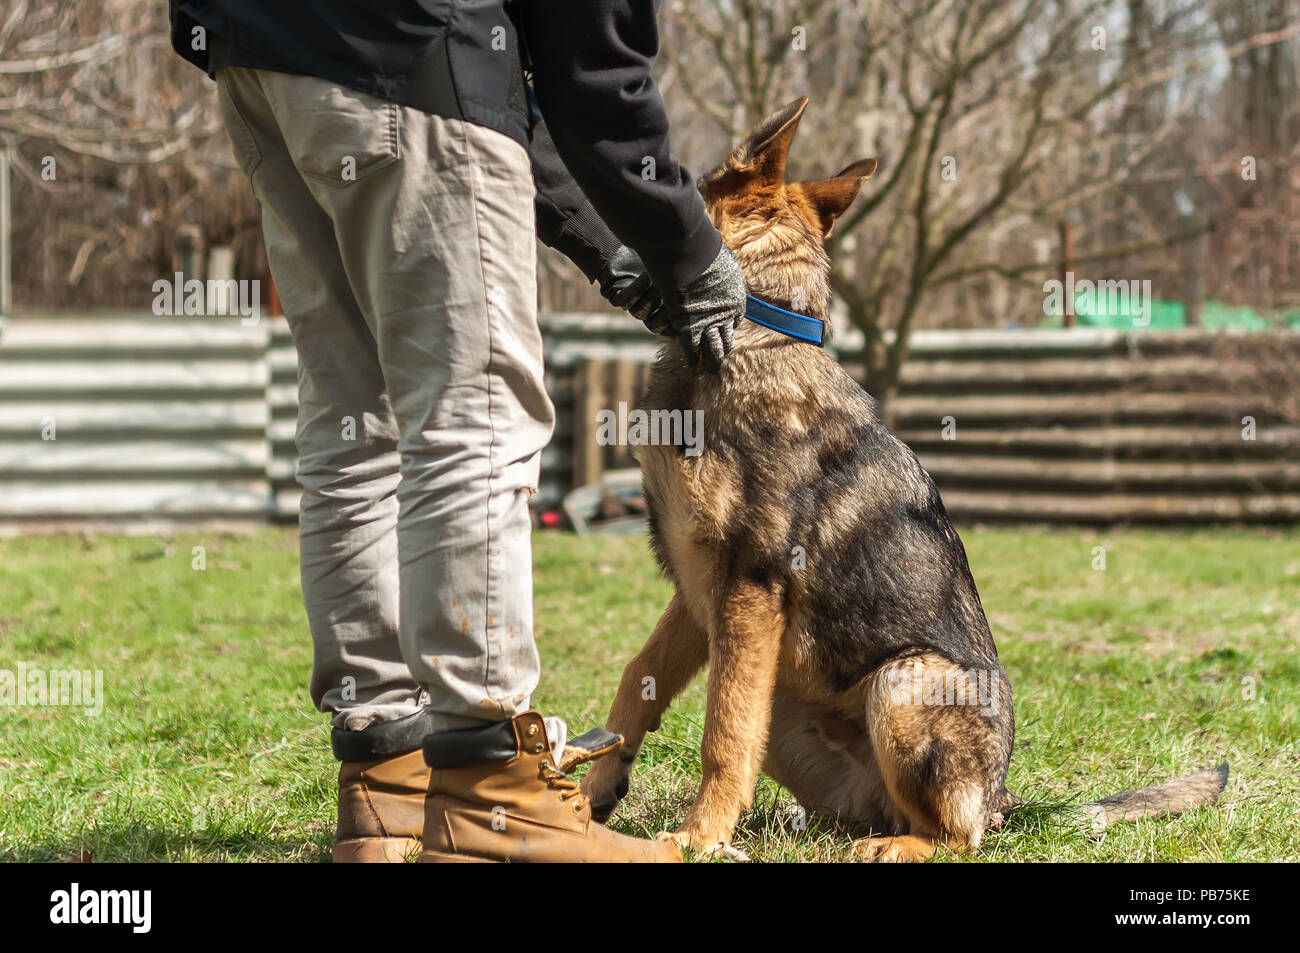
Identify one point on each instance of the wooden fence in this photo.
(1080, 425)
(1094, 425)
(123, 416)
(119, 416)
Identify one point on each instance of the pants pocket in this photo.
(334, 135)
(242, 140)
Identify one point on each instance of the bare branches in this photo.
(116, 142)
(101, 49)
(993, 121)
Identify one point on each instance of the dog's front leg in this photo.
(742, 674)
(677, 649)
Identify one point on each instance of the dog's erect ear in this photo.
(764, 150)
(830, 197)
(760, 159)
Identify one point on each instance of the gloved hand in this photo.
(626, 284)
(705, 313)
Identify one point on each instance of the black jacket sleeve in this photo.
(591, 62)
(566, 220)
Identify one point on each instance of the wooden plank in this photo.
(597, 325)
(287, 503)
(607, 325)
(564, 355)
(282, 362)
(971, 343)
(956, 469)
(282, 395)
(280, 470)
(282, 431)
(1110, 507)
(26, 337)
(589, 399)
(625, 384)
(1104, 438)
(129, 377)
(72, 416)
(623, 390)
(1111, 371)
(1022, 407)
(278, 327)
(49, 499)
(77, 458)
(1135, 343)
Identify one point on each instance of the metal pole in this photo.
(1067, 253)
(6, 283)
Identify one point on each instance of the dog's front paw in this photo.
(702, 846)
(605, 785)
(904, 849)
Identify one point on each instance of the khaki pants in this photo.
(402, 247)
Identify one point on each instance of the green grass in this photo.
(208, 749)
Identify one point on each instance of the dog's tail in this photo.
(1170, 798)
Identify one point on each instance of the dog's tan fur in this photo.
(804, 661)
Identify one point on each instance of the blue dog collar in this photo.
(798, 326)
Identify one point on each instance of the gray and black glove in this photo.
(705, 313)
(626, 284)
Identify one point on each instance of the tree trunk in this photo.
(881, 377)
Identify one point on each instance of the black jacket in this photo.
(597, 116)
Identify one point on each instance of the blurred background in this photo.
(1020, 143)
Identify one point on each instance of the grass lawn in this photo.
(1181, 654)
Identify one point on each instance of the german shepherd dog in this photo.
(817, 574)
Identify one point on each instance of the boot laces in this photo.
(557, 780)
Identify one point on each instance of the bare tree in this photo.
(117, 144)
(994, 121)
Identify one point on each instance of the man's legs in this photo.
(461, 349)
(403, 248)
(346, 438)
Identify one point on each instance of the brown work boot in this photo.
(495, 794)
(381, 789)
(381, 809)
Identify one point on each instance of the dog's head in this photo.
(777, 228)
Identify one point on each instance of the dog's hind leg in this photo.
(826, 762)
(742, 674)
(942, 735)
(675, 652)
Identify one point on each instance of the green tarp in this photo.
(1092, 312)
